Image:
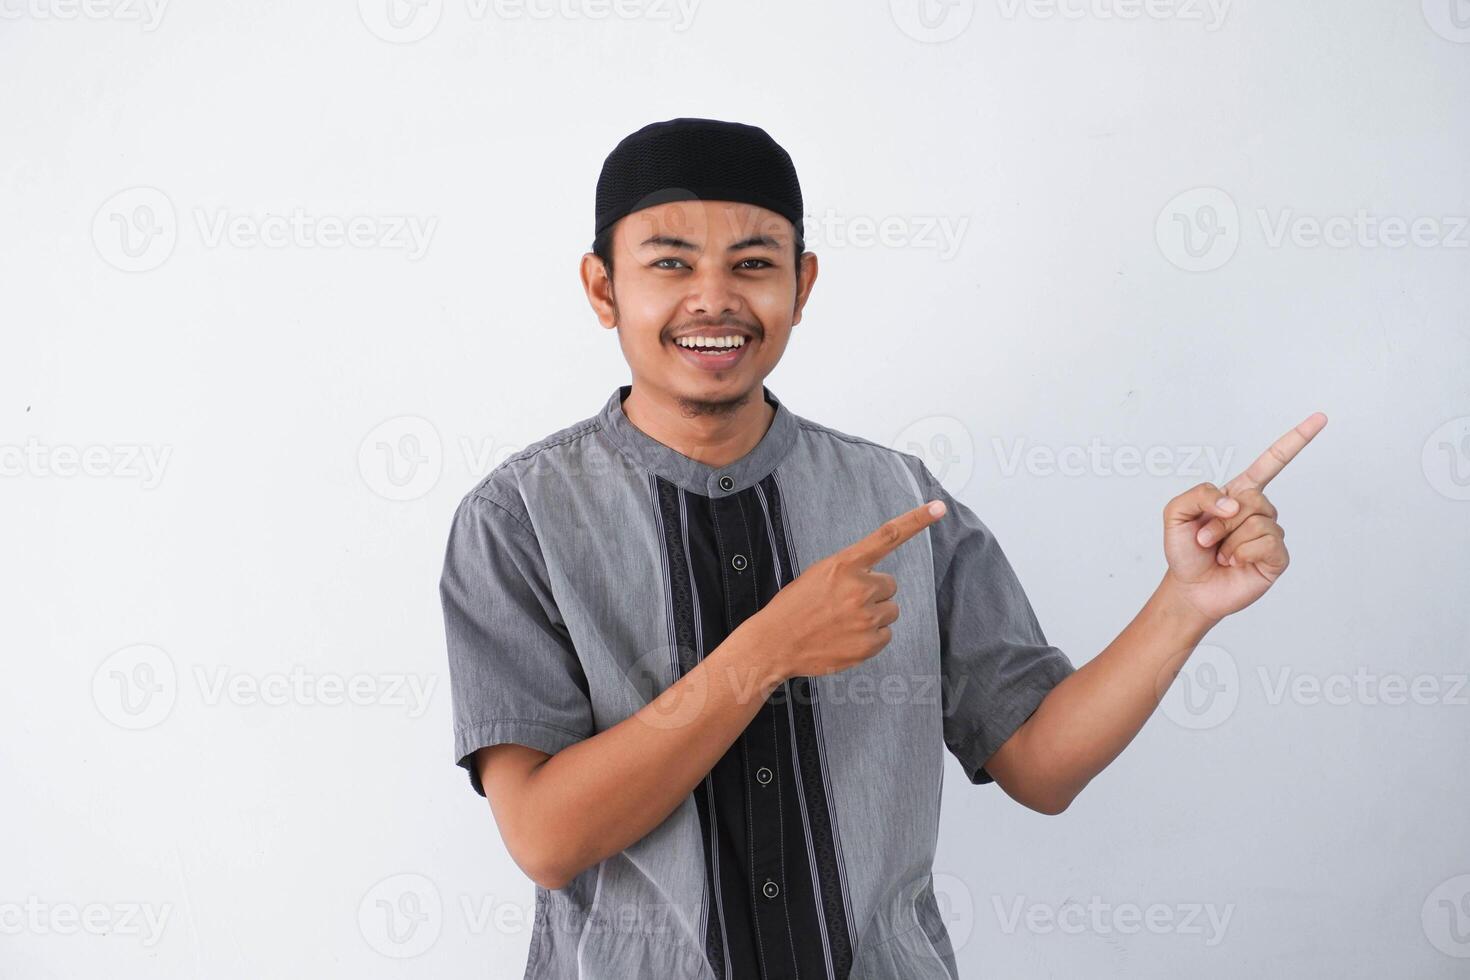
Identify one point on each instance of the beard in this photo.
(691, 408)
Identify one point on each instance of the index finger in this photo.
(892, 533)
(1274, 459)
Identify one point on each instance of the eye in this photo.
(659, 263)
(743, 264)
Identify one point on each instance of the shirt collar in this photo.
(691, 474)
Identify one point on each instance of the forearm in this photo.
(1087, 720)
(598, 796)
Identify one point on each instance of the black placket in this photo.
(765, 914)
(759, 748)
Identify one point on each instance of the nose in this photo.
(713, 291)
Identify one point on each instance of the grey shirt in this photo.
(588, 572)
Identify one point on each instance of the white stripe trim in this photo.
(821, 746)
(806, 823)
(709, 786)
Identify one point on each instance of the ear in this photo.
(806, 278)
(599, 288)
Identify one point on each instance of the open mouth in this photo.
(713, 353)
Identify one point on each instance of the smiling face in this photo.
(704, 295)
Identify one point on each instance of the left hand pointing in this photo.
(1224, 547)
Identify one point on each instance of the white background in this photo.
(287, 393)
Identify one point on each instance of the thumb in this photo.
(1205, 500)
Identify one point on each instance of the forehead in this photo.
(704, 223)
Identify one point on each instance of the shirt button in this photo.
(739, 562)
(763, 775)
(769, 889)
(726, 483)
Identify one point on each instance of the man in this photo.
(704, 651)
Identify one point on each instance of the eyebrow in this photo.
(670, 241)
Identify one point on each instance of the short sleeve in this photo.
(513, 672)
(995, 662)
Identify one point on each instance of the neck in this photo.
(714, 433)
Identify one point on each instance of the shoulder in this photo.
(864, 450)
(501, 492)
(960, 531)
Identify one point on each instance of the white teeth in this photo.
(733, 341)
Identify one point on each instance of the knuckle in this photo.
(1258, 502)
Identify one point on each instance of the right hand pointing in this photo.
(835, 614)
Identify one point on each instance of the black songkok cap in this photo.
(697, 160)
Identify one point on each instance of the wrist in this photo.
(761, 653)
(1175, 608)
